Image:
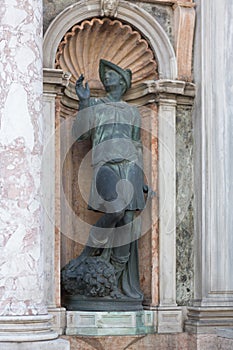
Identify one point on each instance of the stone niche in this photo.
(73, 44)
(80, 52)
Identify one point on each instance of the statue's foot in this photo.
(116, 294)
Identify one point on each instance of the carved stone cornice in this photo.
(180, 91)
(184, 4)
(183, 93)
(147, 92)
(55, 80)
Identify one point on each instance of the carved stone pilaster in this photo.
(167, 94)
(54, 84)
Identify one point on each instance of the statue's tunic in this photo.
(114, 129)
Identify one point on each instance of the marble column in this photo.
(23, 315)
(169, 314)
(213, 128)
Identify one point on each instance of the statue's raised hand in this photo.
(82, 92)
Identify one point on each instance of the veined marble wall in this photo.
(163, 13)
(21, 275)
(23, 313)
(51, 8)
(184, 209)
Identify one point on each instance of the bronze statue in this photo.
(107, 269)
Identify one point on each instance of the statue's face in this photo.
(110, 4)
(111, 78)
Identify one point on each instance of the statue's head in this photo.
(109, 70)
(109, 7)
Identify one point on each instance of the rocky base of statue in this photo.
(93, 277)
(90, 284)
(83, 303)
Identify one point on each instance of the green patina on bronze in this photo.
(107, 269)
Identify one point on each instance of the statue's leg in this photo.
(101, 234)
(120, 253)
(122, 236)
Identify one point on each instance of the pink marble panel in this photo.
(102, 343)
(21, 146)
(224, 343)
(180, 341)
(206, 342)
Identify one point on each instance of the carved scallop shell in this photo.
(85, 44)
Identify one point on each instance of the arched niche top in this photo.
(127, 12)
(86, 43)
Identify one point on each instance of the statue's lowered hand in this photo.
(82, 92)
(148, 190)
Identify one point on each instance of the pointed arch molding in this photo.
(127, 12)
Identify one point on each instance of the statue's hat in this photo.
(125, 73)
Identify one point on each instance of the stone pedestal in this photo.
(110, 323)
(58, 320)
(170, 319)
(208, 319)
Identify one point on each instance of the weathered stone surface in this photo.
(224, 343)
(184, 232)
(21, 145)
(58, 344)
(163, 14)
(51, 8)
(182, 341)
